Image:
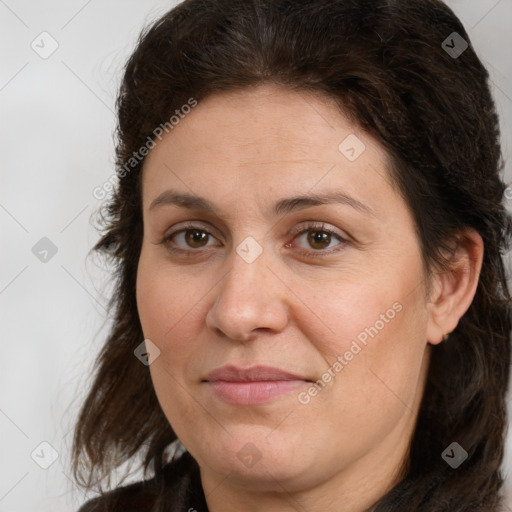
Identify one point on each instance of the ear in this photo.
(453, 289)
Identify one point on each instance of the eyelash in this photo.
(320, 253)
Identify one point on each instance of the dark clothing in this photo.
(176, 488)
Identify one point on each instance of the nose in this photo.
(250, 298)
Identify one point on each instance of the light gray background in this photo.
(56, 146)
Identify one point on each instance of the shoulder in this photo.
(137, 496)
(177, 480)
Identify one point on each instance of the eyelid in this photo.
(185, 226)
(298, 230)
(192, 224)
(319, 226)
(343, 239)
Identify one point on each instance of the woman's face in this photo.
(281, 280)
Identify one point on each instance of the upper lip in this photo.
(253, 374)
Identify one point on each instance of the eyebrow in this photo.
(286, 205)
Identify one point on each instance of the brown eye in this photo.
(319, 239)
(196, 238)
(190, 239)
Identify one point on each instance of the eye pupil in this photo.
(319, 237)
(194, 236)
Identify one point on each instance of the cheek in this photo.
(374, 363)
(167, 300)
(363, 315)
(373, 338)
(167, 304)
(172, 306)
(166, 312)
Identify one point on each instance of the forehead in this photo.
(268, 118)
(264, 141)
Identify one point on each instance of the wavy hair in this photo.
(387, 65)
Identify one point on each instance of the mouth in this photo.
(252, 386)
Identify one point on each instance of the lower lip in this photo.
(254, 392)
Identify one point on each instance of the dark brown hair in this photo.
(385, 64)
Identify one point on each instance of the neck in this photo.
(354, 489)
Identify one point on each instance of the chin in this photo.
(257, 461)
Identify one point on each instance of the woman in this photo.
(307, 236)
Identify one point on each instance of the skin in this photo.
(344, 449)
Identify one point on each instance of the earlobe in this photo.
(454, 288)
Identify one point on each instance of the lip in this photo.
(254, 385)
